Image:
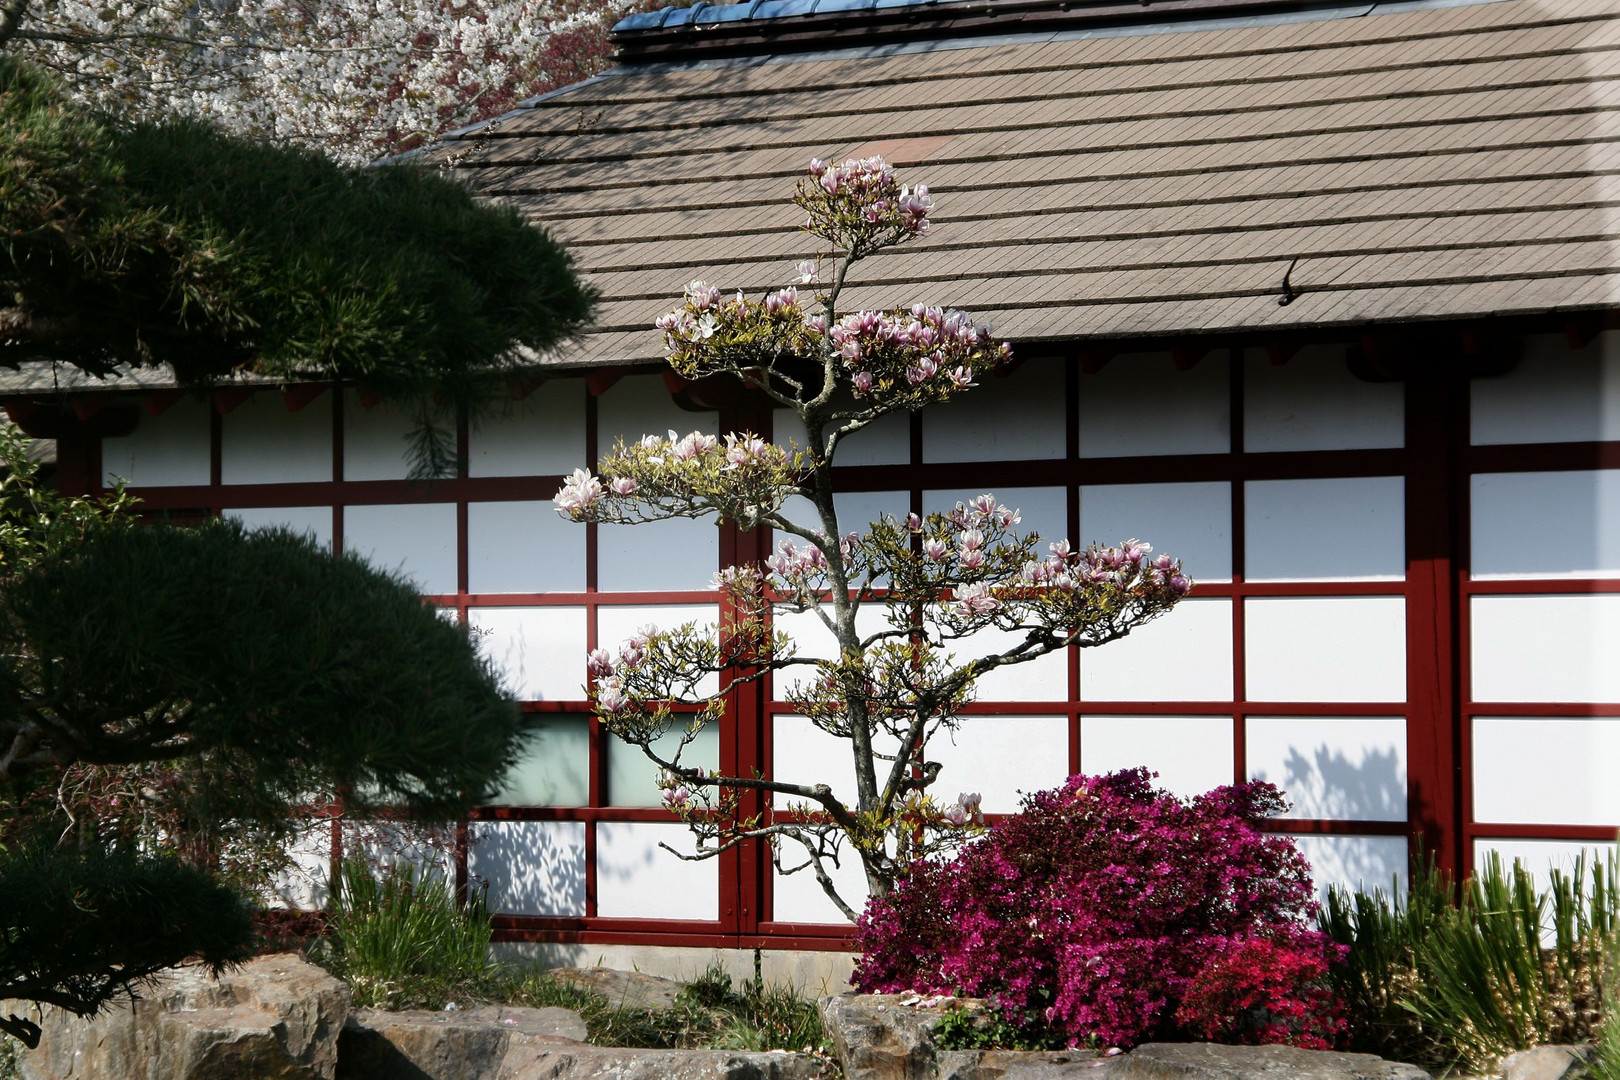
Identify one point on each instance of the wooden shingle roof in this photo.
(1421, 161)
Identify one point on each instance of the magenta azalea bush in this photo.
(1110, 910)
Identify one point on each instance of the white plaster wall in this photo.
(1185, 655)
(554, 766)
(1547, 770)
(1350, 768)
(263, 442)
(1364, 863)
(1545, 524)
(632, 777)
(531, 867)
(542, 435)
(636, 878)
(1554, 394)
(1191, 754)
(615, 625)
(1325, 648)
(1344, 529)
(1017, 418)
(1314, 403)
(416, 539)
(1139, 405)
(540, 650)
(167, 450)
(1191, 521)
(1545, 648)
(523, 547)
(315, 521)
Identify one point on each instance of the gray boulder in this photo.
(1549, 1063)
(470, 1045)
(877, 1037)
(1209, 1061)
(627, 989)
(275, 1018)
(1020, 1065)
(534, 1061)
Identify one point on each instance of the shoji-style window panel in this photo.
(1325, 648)
(1545, 648)
(1017, 418)
(1045, 678)
(1554, 394)
(799, 898)
(531, 867)
(1541, 857)
(1356, 862)
(1314, 403)
(1183, 656)
(813, 641)
(1545, 524)
(885, 441)
(1335, 529)
(416, 539)
(402, 846)
(554, 769)
(304, 884)
(802, 753)
(632, 778)
(1332, 768)
(377, 438)
(680, 554)
(1190, 521)
(542, 435)
(1191, 754)
(314, 521)
(1043, 510)
(264, 442)
(540, 650)
(1140, 406)
(523, 547)
(1546, 770)
(170, 449)
(640, 405)
(637, 879)
(616, 624)
(1000, 757)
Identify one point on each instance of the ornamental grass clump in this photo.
(1108, 911)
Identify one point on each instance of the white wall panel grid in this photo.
(1339, 529)
(313, 521)
(615, 624)
(171, 449)
(1191, 754)
(1545, 525)
(523, 547)
(1332, 768)
(1325, 648)
(1017, 418)
(1541, 857)
(542, 435)
(798, 897)
(530, 867)
(416, 539)
(540, 650)
(1554, 394)
(1139, 405)
(1189, 521)
(377, 438)
(802, 753)
(677, 555)
(264, 442)
(1045, 678)
(303, 884)
(1364, 863)
(1043, 510)
(813, 641)
(1546, 770)
(1314, 403)
(637, 879)
(1000, 757)
(1545, 648)
(1184, 655)
(640, 405)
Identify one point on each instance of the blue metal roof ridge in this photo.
(704, 13)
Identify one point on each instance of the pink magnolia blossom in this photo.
(861, 382)
(976, 599)
(580, 492)
(624, 485)
(599, 664)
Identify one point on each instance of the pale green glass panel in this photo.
(555, 768)
(633, 778)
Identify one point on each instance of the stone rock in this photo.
(1549, 1063)
(275, 1018)
(1209, 1061)
(1021, 1065)
(470, 1045)
(536, 1061)
(878, 1038)
(628, 989)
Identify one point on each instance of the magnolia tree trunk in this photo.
(937, 580)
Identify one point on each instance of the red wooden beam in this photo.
(226, 400)
(159, 402)
(297, 397)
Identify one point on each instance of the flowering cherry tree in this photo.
(357, 79)
(937, 581)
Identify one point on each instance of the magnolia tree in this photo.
(938, 581)
(357, 78)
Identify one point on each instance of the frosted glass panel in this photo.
(1141, 406)
(167, 450)
(263, 442)
(798, 897)
(1012, 419)
(1314, 403)
(999, 757)
(1347, 529)
(316, 521)
(1043, 510)
(802, 753)
(531, 867)
(615, 625)
(555, 767)
(1554, 394)
(641, 405)
(1547, 771)
(885, 441)
(1043, 679)
(1545, 648)
(1346, 769)
(678, 555)
(1540, 857)
(1356, 862)
(813, 641)
(1185, 655)
(542, 435)
(632, 778)
(1338, 648)
(637, 879)
(1546, 524)
(523, 547)
(377, 439)
(1191, 754)
(540, 650)
(1191, 522)
(417, 539)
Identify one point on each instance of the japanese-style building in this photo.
(1320, 299)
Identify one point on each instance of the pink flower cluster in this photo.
(580, 492)
(607, 671)
(1108, 909)
(917, 346)
(966, 809)
(1123, 566)
(869, 184)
